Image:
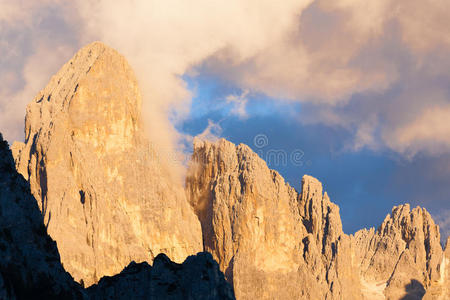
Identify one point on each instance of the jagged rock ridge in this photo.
(30, 266)
(275, 243)
(405, 251)
(271, 242)
(106, 198)
(107, 201)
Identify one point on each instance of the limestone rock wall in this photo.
(275, 243)
(271, 242)
(30, 266)
(106, 197)
(404, 257)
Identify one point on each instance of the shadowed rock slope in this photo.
(106, 197)
(30, 266)
(275, 243)
(198, 278)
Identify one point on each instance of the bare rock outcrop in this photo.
(404, 257)
(271, 242)
(106, 197)
(275, 243)
(30, 266)
(444, 281)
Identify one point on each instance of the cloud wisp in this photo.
(375, 69)
(378, 69)
(36, 38)
(238, 103)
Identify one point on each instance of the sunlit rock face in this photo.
(30, 266)
(404, 257)
(444, 282)
(275, 243)
(271, 242)
(106, 197)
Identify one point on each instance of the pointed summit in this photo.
(98, 181)
(275, 243)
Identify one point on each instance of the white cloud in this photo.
(238, 103)
(429, 131)
(165, 39)
(35, 41)
(211, 133)
(374, 68)
(36, 72)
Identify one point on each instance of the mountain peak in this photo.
(91, 166)
(266, 236)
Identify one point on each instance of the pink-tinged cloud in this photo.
(430, 131)
(373, 67)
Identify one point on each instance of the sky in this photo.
(355, 93)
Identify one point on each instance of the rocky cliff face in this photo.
(29, 261)
(105, 196)
(404, 256)
(444, 281)
(30, 266)
(271, 242)
(107, 200)
(275, 243)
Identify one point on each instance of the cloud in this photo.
(211, 133)
(372, 68)
(36, 38)
(20, 10)
(164, 39)
(36, 72)
(429, 131)
(353, 64)
(238, 103)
